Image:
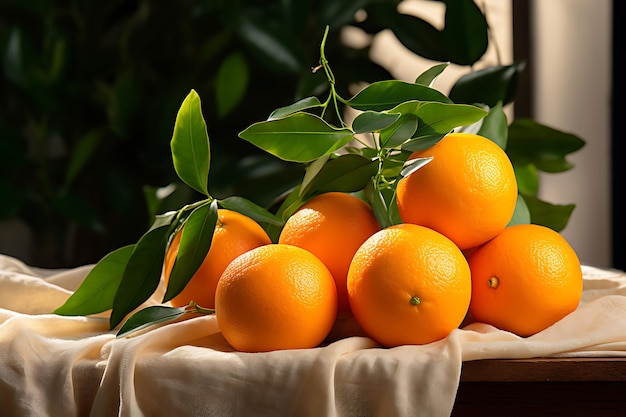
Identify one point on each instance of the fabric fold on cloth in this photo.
(75, 366)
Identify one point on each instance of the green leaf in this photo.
(383, 203)
(463, 40)
(312, 170)
(488, 86)
(419, 143)
(299, 137)
(545, 147)
(303, 104)
(527, 179)
(195, 243)
(437, 118)
(290, 204)
(443, 117)
(399, 132)
(418, 35)
(346, 173)
(371, 121)
(554, 216)
(190, 145)
(142, 273)
(408, 107)
(231, 83)
(521, 215)
(97, 291)
(465, 31)
(413, 165)
(429, 76)
(495, 126)
(379, 205)
(250, 209)
(150, 316)
(384, 95)
(389, 195)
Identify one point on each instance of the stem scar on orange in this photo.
(467, 192)
(525, 279)
(234, 235)
(332, 226)
(276, 297)
(409, 284)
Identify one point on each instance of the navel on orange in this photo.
(276, 297)
(234, 235)
(467, 192)
(332, 226)
(525, 279)
(408, 284)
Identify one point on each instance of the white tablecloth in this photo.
(73, 366)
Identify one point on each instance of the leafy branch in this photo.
(368, 158)
(126, 278)
(398, 117)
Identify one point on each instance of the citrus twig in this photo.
(195, 308)
(331, 80)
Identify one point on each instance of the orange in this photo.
(275, 297)
(332, 226)
(467, 192)
(525, 279)
(234, 235)
(408, 284)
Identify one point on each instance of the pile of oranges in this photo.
(453, 259)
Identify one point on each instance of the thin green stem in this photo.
(323, 61)
(326, 103)
(195, 308)
(189, 207)
(333, 96)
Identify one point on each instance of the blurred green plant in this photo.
(90, 91)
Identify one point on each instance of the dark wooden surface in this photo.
(543, 387)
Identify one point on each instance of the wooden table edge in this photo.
(571, 369)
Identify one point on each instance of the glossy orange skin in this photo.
(468, 192)
(525, 279)
(409, 284)
(276, 297)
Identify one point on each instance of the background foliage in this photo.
(90, 92)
